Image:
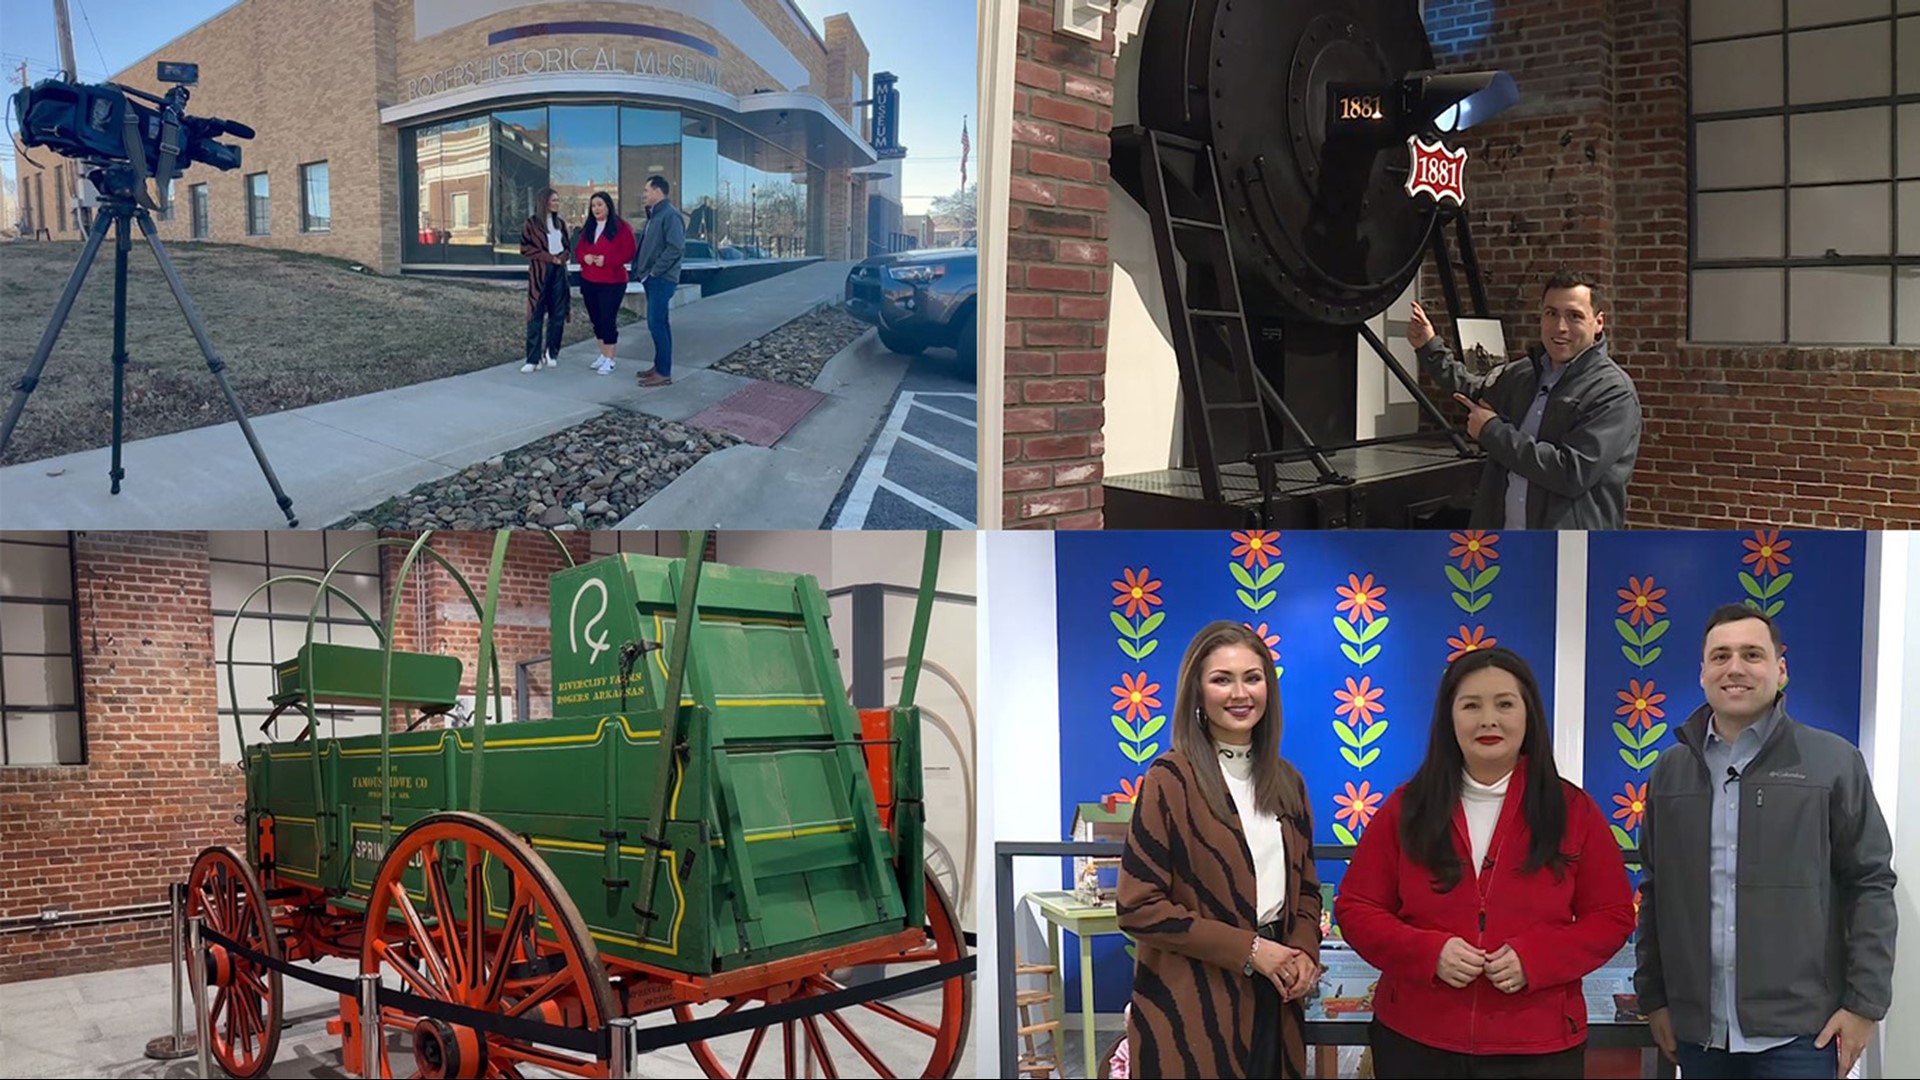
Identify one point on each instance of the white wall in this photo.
(1892, 718)
(1020, 757)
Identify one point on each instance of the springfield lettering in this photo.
(599, 688)
(670, 64)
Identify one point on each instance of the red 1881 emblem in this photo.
(1436, 170)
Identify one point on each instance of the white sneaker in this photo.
(551, 362)
(604, 367)
(528, 369)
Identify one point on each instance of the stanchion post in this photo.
(620, 1063)
(197, 978)
(176, 1045)
(369, 1025)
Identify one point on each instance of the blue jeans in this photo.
(1796, 1059)
(659, 293)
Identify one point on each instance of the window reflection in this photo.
(699, 179)
(584, 160)
(521, 152)
(649, 145)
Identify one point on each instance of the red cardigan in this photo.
(618, 247)
(1561, 930)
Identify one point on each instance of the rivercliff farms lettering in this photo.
(554, 60)
(600, 688)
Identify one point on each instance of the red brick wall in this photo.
(153, 794)
(1057, 276)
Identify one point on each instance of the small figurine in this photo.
(1087, 889)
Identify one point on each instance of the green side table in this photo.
(1086, 922)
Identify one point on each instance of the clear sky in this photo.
(929, 44)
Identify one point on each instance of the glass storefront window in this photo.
(584, 156)
(521, 158)
(699, 181)
(450, 167)
(649, 146)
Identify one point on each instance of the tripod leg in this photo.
(214, 364)
(122, 244)
(45, 349)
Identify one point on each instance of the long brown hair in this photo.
(1194, 739)
(542, 214)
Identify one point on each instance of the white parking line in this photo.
(873, 479)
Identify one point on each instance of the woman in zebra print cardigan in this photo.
(1217, 886)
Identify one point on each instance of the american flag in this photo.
(964, 147)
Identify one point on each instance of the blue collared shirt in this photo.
(1549, 376)
(1721, 755)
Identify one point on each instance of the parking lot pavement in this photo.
(922, 470)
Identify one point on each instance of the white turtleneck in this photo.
(1482, 805)
(1264, 838)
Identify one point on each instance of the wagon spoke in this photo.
(443, 914)
(517, 917)
(554, 983)
(820, 1047)
(476, 918)
(753, 1049)
(429, 955)
(407, 973)
(515, 1051)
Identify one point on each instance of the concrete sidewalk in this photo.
(343, 456)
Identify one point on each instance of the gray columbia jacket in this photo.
(662, 244)
(1578, 468)
(1814, 908)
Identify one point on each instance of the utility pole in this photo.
(68, 69)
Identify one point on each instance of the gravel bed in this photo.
(795, 353)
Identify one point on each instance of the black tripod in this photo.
(120, 208)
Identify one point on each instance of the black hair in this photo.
(1429, 799)
(614, 224)
(660, 183)
(1727, 613)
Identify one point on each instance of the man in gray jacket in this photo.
(1561, 428)
(657, 267)
(1767, 913)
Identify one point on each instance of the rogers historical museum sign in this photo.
(554, 60)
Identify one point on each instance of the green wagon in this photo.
(759, 843)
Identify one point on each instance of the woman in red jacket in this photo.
(606, 247)
(1484, 890)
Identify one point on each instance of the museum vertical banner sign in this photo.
(1360, 627)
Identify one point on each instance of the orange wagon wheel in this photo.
(465, 912)
(922, 1036)
(243, 1011)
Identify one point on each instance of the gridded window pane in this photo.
(1909, 46)
(1910, 139)
(364, 588)
(1743, 74)
(1851, 144)
(1910, 218)
(1841, 305)
(257, 216)
(1840, 64)
(38, 681)
(231, 582)
(366, 561)
(1739, 153)
(297, 549)
(316, 201)
(44, 738)
(35, 628)
(35, 570)
(1737, 305)
(1909, 293)
(1816, 12)
(1853, 219)
(244, 546)
(1724, 18)
(1909, 5)
(1741, 225)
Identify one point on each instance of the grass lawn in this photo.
(293, 330)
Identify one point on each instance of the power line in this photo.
(96, 41)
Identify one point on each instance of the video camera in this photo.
(105, 124)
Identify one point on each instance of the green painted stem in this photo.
(685, 612)
(487, 662)
(922, 615)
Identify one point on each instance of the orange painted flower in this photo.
(1362, 597)
(1136, 593)
(1356, 807)
(1135, 697)
(1640, 704)
(1271, 640)
(1130, 789)
(1632, 806)
(1257, 546)
(1468, 641)
(1359, 703)
(1766, 552)
(1474, 547)
(1642, 602)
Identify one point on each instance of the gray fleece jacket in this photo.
(1814, 912)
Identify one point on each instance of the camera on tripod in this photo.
(107, 123)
